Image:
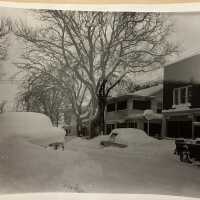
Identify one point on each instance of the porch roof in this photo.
(174, 112)
(115, 121)
(147, 114)
(135, 116)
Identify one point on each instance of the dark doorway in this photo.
(197, 131)
(154, 129)
(177, 129)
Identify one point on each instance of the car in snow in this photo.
(124, 137)
(112, 141)
(34, 127)
(188, 149)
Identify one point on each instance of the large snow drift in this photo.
(35, 127)
(26, 167)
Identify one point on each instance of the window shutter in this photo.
(190, 94)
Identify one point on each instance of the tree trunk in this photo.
(102, 106)
(97, 124)
(79, 127)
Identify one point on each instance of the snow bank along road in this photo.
(84, 166)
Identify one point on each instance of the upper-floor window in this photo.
(121, 105)
(181, 95)
(141, 104)
(111, 107)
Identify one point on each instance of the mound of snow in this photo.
(132, 136)
(78, 142)
(129, 136)
(35, 127)
(26, 167)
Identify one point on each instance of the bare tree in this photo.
(5, 27)
(49, 89)
(39, 97)
(2, 106)
(101, 49)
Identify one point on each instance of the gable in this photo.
(185, 71)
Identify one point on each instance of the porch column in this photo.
(193, 119)
(164, 127)
(140, 124)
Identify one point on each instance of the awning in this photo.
(115, 121)
(147, 114)
(196, 123)
(135, 116)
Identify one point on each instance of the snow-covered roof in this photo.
(149, 91)
(147, 114)
(143, 93)
(135, 116)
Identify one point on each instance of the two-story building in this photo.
(181, 98)
(131, 110)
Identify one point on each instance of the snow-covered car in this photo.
(34, 127)
(123, 137)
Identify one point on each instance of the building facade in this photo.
(181, 98)
(128, 111)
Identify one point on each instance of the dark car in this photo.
(188, 150)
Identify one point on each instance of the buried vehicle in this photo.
(33, 127)
(124, 137)
(188, 150)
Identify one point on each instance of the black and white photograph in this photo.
(99, 102)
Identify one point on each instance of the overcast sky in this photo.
(186, 33)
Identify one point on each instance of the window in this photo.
(121, 105)
(176, 96)
(141, 104)
(121, 125)
(111, 107)
(132, 124)
(181, 95)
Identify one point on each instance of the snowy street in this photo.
(103, 100)
(144, 169)
(79, 168)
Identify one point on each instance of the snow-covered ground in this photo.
(85, 166)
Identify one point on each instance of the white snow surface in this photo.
(84, 166)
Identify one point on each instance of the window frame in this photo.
(108, 110)
(179, 103)
(121, 109)
(142, 107)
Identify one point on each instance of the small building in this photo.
(129, 110)
(181, 98)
